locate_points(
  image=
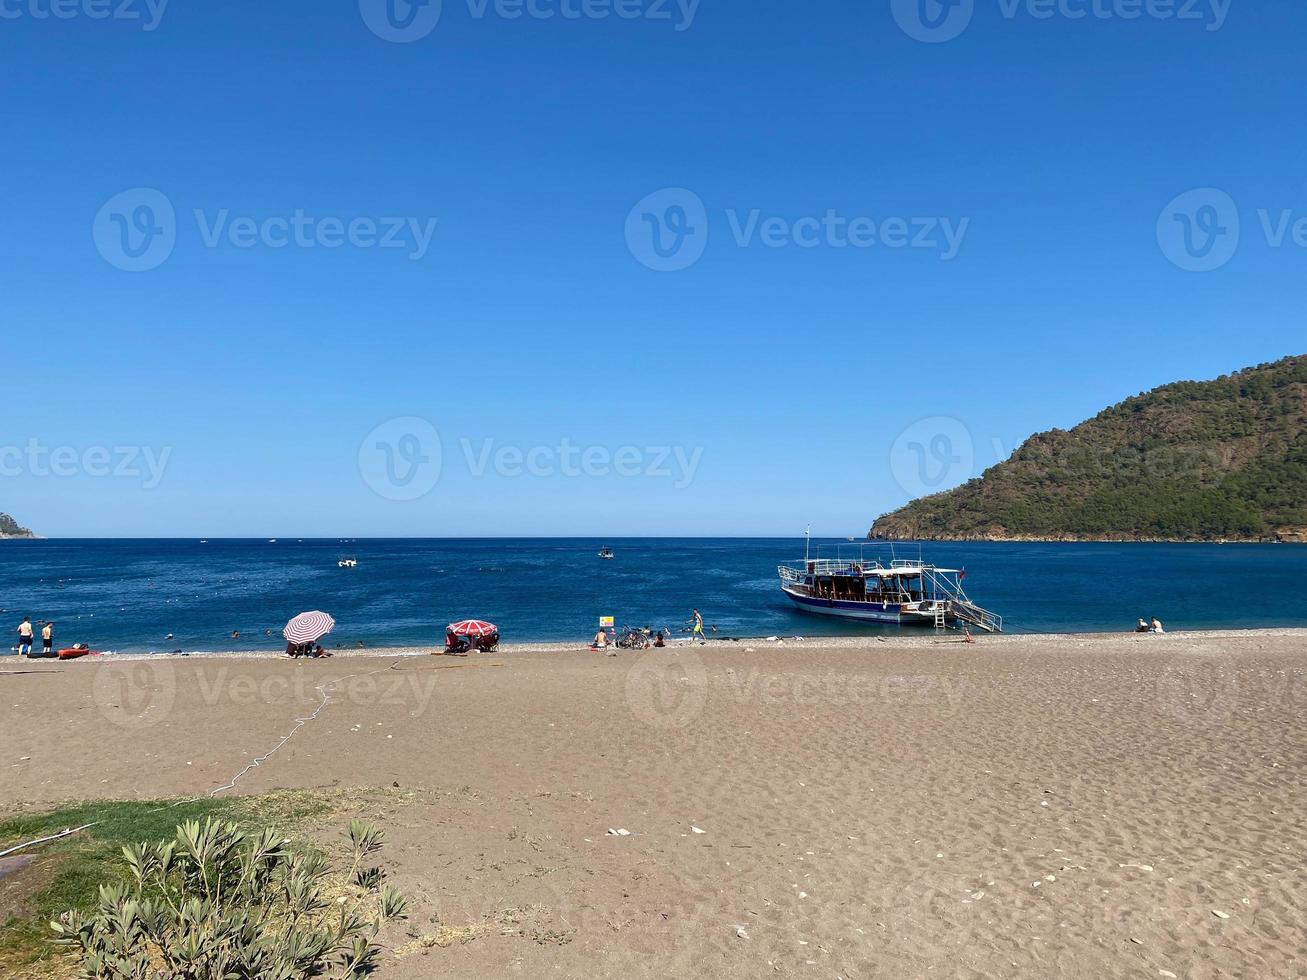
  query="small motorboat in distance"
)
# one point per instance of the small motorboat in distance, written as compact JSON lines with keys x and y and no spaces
{"x":606,"y":554}
{"x":348,"y":562}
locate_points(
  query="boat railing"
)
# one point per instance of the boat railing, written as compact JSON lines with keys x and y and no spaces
{"x":982,"y":619}
{"x":830,"y":566}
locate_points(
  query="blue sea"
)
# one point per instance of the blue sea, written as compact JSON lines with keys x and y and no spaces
{"x":129,"y":595}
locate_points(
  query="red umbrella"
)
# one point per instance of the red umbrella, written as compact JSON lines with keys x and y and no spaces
{"x":472,"y":627}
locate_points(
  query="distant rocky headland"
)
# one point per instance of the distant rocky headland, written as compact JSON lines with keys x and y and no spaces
{"x":9,"y":528}
{"x":1222,"y":460}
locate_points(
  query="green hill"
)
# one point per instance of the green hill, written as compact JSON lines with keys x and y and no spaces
{"x":1189,"y":461}
{"x":9,"y":528}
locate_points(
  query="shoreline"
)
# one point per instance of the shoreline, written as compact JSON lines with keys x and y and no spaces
{"x":741,"y":644}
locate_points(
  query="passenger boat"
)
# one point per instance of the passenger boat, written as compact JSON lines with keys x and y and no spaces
{"x":348,"y":562}
{"x":900,"y":592}
{"x":606,"y":554}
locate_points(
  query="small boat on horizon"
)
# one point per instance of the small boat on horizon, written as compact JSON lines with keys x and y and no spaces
{"x":606,"y":553}
{"x":347,"y":561}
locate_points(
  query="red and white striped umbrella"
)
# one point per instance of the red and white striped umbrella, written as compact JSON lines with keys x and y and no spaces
{"x":472,"y":627}
{"x":308,"y":627}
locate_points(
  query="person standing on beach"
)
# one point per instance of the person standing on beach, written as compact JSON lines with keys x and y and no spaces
{"x":698,"y":627}
{"x":47,"y":638}
{"x":25,"y":637}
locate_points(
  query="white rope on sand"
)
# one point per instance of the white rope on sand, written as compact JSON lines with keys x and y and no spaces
{"x":322,"y":689}
{"x":44,"y":840}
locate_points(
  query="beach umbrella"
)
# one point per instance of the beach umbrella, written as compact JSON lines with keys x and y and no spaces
{"x":472,"y":627}
{"x":308,"y":627}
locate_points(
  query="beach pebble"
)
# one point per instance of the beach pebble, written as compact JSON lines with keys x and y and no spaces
{"x":697,"y":830}
{"x":1166,"y":973}
{"x":1219,"y":914}
{"x":1141,"y":867}
{"x":741,"y":932}
{"x":619,"y":832}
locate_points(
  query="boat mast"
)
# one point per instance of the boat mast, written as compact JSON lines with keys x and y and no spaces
{"x":807,"y":541}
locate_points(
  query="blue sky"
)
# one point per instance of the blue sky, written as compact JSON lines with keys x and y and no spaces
{"x":527,"y":365}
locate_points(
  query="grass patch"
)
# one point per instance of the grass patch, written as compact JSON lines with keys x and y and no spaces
{"x":67,"y":873}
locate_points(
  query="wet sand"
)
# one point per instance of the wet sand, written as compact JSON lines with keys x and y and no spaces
{"x":1077,"y":806}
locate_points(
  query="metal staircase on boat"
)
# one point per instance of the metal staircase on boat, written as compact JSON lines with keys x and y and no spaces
{"x":981,"y":619}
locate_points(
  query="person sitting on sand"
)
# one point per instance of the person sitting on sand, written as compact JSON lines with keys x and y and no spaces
{"x":658,"y":640}
{"x":1143,"y":626}
{"x":1157,"y":626}
{"x":600,"y":641}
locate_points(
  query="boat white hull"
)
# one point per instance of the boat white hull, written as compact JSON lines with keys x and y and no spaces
{"x":874,"y":612}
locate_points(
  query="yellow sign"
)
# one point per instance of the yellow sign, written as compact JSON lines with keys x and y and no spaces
{"x":605,"y":620}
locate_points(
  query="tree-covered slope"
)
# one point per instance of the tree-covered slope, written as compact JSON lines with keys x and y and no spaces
{"x":9,"y":528}
{"x":1193,"y":460}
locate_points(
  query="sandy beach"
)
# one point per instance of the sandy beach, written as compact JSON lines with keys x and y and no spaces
{"x":1053,"y":806}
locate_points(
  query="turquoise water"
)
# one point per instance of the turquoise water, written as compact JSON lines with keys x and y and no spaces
{"x":129,"y":595}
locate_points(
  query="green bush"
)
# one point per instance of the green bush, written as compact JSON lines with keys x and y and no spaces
{"x":216,"y":902}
